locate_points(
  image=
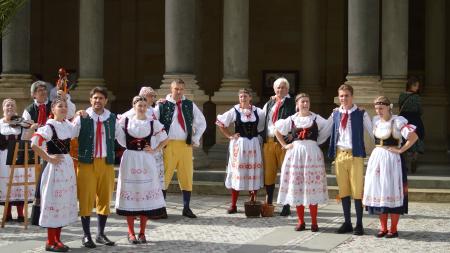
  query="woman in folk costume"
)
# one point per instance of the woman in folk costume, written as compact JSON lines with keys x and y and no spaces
{"x":150,"y":95}
{"x":245,"y":168}
{"x":303,"y":179}
{"x":59,"y":206}
{"x":12,"y":130}
{"x":138,"y":188}
{"x":385,"y":187}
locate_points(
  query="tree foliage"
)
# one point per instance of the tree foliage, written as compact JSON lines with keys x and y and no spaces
{"x":8,"y":8}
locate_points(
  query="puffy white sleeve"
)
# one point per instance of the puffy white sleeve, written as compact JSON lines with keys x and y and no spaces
{"x":325,"y":126}
{"x":159,"y":133}
{"x":198,"y":125}
{"x":284,"y":126}
{"x":262,"y":117}
{"x":225,"y":119}
{"x":71,"y":108}
{"x":402,"y":125}
{"x":368,"y":125}
{"x":120,"y":133}
{"x":42,"y":134}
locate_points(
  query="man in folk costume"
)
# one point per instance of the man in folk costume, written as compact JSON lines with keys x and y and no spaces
{"x":97,"y":129}
{"x":185,"y":124}
{"x":278,"y":107}
{"x":348,"y":151}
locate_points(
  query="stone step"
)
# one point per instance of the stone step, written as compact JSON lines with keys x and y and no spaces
{"x":218,"y":188}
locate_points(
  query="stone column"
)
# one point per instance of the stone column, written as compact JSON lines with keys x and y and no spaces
{"x":435,"y":101}
{"x":395,"y":47}
{"x":91,"y":39}
{"x":235,"y":57}
{"x":311,"y":52}
{"x":363,"y":48}
{"x":180,"y":49}
{"x":15,"y":77}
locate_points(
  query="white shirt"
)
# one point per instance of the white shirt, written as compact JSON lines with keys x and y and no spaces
{"x":247,"y":115}
{"x":102,"y":117}
{"x":345,"y":135}
{"x":176,"y":132}
{"x":70,"y":109}
{"x":270,"y":124}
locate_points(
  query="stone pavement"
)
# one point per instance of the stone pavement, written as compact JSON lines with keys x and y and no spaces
{"x":426,"y":228}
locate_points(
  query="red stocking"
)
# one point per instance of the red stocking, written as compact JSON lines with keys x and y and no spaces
{"x":383,"y":222}
{"x":143,"y":224}
{"x":313,"y":211}
{"x":301,"y":214}
{"x":234,"y":197}
{"x":51,"y":234}
{"x":394,"y":221}
{"x":20,"y":210}
{"x":8,"y":212}
{"x":130,"y":222}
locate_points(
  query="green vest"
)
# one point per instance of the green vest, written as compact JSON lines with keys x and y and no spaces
{"x":86,"y":139}
{"x":166,"y":111}
{"x":286,"y":109}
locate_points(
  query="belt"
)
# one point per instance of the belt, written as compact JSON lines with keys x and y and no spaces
{"x":346,"y":150}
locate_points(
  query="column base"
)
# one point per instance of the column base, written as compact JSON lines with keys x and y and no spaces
{"x":392,"y":88}
{"x":192,"y":90}
{"x":17,"y":87}
{"x":435,"y":112}
{"x":226,"y":97}
{"x":80,"y":95}
{"x":365,"y":90}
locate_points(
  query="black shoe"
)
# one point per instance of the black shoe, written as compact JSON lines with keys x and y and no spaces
{"x":231,"y":210}
{"x":60,"y":244}
{"x":300,"y":227}
{"x":88,"y":243}
{"x":345,"y":228}
{"x":102,"y":239}
{"x":188,"y":213}
{"x":314,"y":228}
{"x":392,"y":235}
{"x":286,"y":210}
{"x":20,"y":219}
{"x":132,"y":239}
{"x":358,"y":230}
{"x":164,"y":215}
{"x":55,"y":248}
{"x":142,"y":239}
{"x":381,"y":234}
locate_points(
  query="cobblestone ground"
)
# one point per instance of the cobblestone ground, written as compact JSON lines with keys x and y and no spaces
{"x":426,"y":228}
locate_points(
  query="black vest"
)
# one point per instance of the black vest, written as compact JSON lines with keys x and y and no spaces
{"x":56,"y":145}
{"x":286,"y":109}
{"x":33,"y":110}
{"x":5,"y":139}
{"x":310,"y":133}
{"x":134,"y":143}
{"x":246,"y":129}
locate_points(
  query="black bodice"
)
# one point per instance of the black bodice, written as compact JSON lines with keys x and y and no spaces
{"x":309,"y":133}
{"x":134,"y":143}
{"x":56,"y":145}
{"x":391,"y":141}
{"x":246,"y":129}
{"x":5,"y":139}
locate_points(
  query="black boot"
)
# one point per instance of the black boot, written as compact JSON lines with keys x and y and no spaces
{"x":269,"y":193}
{"x":186,"y":200}
{"x":286,"y":211}
{"x":346,"y":227}
{"x":101,"y":237}
{"x":359,"y":230}
{"x":87,"y":239}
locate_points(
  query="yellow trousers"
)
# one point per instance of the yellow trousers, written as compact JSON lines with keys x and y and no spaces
{"x":178,"y":155}
{"x":95,"y":183}
{"x":273,"y":155}
{"x":349,"y":174}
